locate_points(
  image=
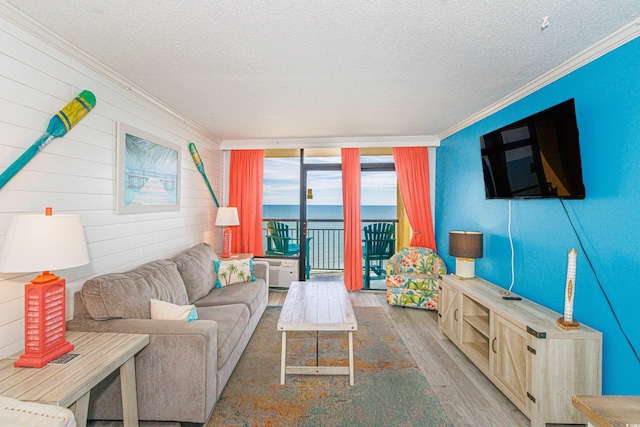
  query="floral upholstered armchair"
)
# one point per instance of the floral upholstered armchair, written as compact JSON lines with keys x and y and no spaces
{"x":412,"y":278}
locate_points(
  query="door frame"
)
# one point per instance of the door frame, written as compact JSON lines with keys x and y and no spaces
{"x":306,"y":167}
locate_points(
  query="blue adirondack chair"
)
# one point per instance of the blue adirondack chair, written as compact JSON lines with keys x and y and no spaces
{"x":378,"y":245}
{"x":280,"y":243}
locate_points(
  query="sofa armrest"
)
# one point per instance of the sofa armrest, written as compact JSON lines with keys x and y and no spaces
{"x":207,"y":329}
{"x":261,"y":270}
{"x":180,"y":354}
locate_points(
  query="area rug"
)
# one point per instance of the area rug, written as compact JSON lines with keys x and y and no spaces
{"x":389,"y":388}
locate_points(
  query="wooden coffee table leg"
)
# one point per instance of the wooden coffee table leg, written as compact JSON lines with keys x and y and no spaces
{"x":351,"y":373}
{"x":283,"y":359}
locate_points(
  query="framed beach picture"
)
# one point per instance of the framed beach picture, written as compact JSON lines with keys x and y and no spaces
{"x":148,"y":173}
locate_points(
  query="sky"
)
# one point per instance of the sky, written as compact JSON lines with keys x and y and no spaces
{"x":282,"y":177}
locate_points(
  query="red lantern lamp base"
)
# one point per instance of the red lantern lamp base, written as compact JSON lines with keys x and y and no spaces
{"x":40,"y":360}
{"x":226,"y":243}
{"x":44,"y":321}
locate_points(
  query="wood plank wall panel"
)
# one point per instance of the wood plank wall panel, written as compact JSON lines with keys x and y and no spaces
{"x":76,"y":174}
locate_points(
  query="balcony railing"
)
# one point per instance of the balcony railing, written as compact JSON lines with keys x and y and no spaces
{"x":326,"y":247}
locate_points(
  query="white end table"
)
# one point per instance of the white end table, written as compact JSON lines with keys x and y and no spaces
{"x":70,"y":385}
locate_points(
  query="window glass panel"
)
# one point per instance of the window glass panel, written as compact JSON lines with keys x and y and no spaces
{"x":376,"y":159}
{"x":281,"y":188}
{"x":281,"y":196}
{"x":379,"y":195}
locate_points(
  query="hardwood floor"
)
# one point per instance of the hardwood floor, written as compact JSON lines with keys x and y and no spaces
{"x":468,"y":397}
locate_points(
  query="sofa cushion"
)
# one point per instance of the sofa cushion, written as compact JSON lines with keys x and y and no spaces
{"x":127,"y":295}
{"x":196,"y":268}
{"x":232,"y":321}
{"x":251,"y":294}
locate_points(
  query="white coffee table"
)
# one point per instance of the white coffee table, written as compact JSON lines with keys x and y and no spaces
{"x":317,"y":306}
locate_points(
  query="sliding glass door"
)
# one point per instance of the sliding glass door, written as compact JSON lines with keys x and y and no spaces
{"x":303,"y":191}
{"x":322,"y":217}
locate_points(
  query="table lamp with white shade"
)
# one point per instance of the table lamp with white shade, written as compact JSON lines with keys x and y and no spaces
{"x":227,"y":217}
{"x":43,"y":243}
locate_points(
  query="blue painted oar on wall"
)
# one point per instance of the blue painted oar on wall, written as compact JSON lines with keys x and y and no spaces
{"x":198,"y":161}
{"x":59,"y":125}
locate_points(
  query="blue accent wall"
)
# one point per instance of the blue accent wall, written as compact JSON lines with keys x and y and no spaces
{"x":607,"y":98}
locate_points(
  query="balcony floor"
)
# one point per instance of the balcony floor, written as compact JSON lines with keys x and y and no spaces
{"x":337,"y":276}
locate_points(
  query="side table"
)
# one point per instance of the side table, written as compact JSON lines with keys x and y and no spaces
{"x":70,"y":385}
{"x":237,"y":256}
{"x":609,"y":411}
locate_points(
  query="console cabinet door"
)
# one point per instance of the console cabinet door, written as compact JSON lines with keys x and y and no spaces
{"x":449,"y":311}
{"x":512,"y":361}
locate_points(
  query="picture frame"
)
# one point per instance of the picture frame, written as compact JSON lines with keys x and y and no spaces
{"x":147,"y":172}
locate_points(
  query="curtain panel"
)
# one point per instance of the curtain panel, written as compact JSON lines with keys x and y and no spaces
{"x":412,"y":169}
{"x":352,"y":218}
{"x":246,"y":170}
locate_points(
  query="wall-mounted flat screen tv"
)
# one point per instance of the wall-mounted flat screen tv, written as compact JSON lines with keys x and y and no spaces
{"x":536,"y":157}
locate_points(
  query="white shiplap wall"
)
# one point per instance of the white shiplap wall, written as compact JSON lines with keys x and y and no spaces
{"x":76,"y":173}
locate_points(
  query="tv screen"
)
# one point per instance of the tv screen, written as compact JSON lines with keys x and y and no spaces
{"x":536,"y":157}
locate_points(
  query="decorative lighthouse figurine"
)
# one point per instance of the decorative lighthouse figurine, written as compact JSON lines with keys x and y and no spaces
{"x":567,"y":321}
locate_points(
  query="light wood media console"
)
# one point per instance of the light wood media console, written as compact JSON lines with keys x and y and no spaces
{"x":521,"y":349}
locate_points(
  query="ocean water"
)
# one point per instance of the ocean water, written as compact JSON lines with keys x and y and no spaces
{"x":326,"y":246}
{"x":315,"y":212}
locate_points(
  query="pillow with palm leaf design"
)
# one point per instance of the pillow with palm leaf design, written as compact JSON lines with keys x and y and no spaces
{"x":233,"y":271}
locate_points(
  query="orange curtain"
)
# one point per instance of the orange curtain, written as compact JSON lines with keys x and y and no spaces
{"x":412,"y":168}
{"x":245,"y":192}
{"x":352,"y":220}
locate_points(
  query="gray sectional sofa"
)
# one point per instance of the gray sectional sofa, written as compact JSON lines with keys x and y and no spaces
{"x":181,"y":373}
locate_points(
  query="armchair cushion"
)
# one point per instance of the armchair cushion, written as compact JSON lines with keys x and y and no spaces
{"x":416,"y":260}
{"x":412,"y":278}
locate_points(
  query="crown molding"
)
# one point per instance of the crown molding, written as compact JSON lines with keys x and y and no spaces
{"x":332,"y":142}
{"x":35,"y":28}
{"x":597,"y":50}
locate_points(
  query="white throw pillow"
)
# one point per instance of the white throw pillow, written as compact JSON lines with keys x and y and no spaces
{"x":162,"y":310}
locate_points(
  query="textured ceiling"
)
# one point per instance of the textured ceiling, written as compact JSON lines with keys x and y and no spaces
{"x":276,"y":69}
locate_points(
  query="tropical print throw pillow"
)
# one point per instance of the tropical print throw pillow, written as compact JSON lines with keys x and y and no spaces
{"x":234,"y":271}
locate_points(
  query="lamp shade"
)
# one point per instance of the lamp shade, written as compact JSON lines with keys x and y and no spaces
{"x":43,"y":243}
{"x":227,"y":216}
{"x":465,"y":244}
